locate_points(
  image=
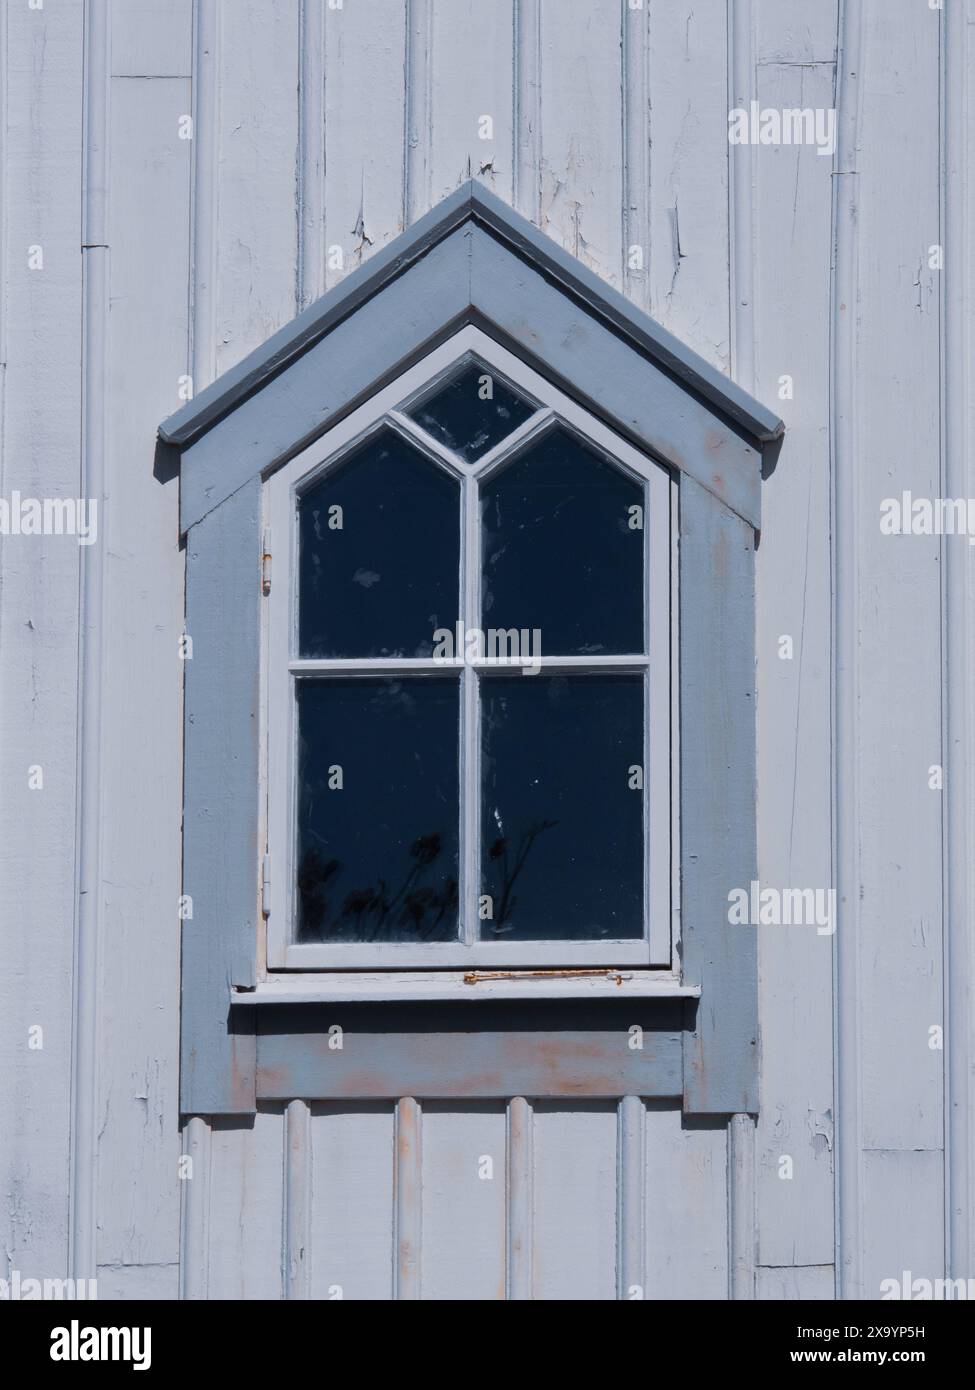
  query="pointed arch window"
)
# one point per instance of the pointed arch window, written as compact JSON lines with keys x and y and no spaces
{"x":469,"y":689}
{"x":470,"y":459}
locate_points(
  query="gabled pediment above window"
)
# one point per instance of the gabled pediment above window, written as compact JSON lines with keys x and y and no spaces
{"x":472,"y":260}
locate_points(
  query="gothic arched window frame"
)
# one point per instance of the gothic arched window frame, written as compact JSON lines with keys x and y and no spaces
{"x":246,"y":1038}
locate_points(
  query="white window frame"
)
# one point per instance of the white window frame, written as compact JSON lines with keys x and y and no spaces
{"x":657,"y":951}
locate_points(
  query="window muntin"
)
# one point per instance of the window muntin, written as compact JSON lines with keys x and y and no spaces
{"x":603,"y":925}
{"x":471,"y":411}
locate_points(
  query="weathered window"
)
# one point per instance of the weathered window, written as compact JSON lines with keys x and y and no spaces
{"x":469,"y":693}
{"x":480,"y":725}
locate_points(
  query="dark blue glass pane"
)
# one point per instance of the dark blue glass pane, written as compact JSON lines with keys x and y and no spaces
{"x":561,"y":550}
{"x":474,"y":411}
{"x":561,"y":829}
{"x":377,"y":809}
{"x":379,"y":555}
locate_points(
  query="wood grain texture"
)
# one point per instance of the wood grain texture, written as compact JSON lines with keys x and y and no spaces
{"x":246,"y":1208}
{"x":618,"y":384}
{"x":256,"y":171}
{"x":321,"y":386}
{"x":845,"y":579}
{"x":594,"y":135}
{"x":741,"y":1207}
{"x":472,"y":201}
{"x":631,"y":1198}
{"x":352,"y":1214}
{"x":903,"y":1217}
{"x":364,"y":132}
{"x":408,"y":1199}
{"x":311,"y":152}
{"x":958,"y":135}
{"x":687,"y":1251}
{"x":463,"y":1202}
{"x":446,"y":1051}
{"x":795,"y":1283}
{"x":789,"y":320}
{"x":297,"y":1254}
{"x":520,"y":1198}
{"x":194,"y":1235}
{"x":220,"y":851}
{"x":463,"y":144}
{"x":138,"y":1195}
{"x":152,"y":38}
{"x":581,"y":154}
{"x":469,"y":275}
{"x":717,"y":781}
{"x":688,"y":188}
{"x":41,"y":62}
{"x":418,"y":107}
{"x":899,"y":594}
{"x":574,"y":1228}
{"x":527,"y":109}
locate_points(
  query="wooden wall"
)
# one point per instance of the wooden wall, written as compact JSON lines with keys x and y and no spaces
{"x":319,"y":131}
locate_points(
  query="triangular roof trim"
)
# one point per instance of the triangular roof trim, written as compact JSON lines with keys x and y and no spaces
{"x":472,"y":201}
{"x":472,"y":259}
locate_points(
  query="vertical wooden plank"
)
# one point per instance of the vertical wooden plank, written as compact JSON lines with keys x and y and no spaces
{"x":141,"y":785}
{"x":900,"y":966}
{"x":365,"y":134}
{"x":203,"y":211}
{"x":221,"y":856}
{"x":124,"y":1283}
{"x":471,"y":87}
{"x":582,"y":183}
{"x":352,"y":1213}
{"x":419,"y":109}
{"x":298,"y":1200}
{"x":408,"y":1200}
{"x":741,"y":196}
{"x":88,"y":837}
{"x":41,"y":64}
{"x":687,"y":1205}
{"x":195,"y":1176}
{"x":717,"y":717}
{"x":890,"y":959}
{"x":903,"y":1218}
{"x":257,"y":80}
{"x":631,"y":1165}
{"x":246,"y":1206}
{"x":958,"y":143}
{"x":688,"y":195}
{"x":844,"y":293}
{"x":637,"y":202}
{"x":741,"y":1207}
{"x":311,"y":151}
{"x":899,"y":598}
{"x":574,"y":1253}
{"x":527,"y":117}
{"x":795,"y":1283}
{"x":463,"y":1217}
{"x":152,"y":38}
{"x":521,"y":1199}
{"x":793,"y":568}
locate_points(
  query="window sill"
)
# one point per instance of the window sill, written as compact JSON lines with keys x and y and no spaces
{"x":364,"y":987}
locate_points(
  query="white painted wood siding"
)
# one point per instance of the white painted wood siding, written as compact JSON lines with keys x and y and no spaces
{"x":319,"y":131}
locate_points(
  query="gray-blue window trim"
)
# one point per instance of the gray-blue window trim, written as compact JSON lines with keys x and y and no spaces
{"x":471,"y":260}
